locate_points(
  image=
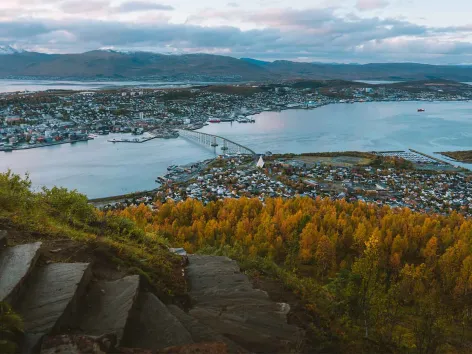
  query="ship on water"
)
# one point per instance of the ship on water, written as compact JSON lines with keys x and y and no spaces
{"x":421,"y":109}
{"x":214,"y":120}
{"x":245,"y":120}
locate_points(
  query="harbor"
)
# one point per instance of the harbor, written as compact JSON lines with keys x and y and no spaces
{"x":99,"y":168}
{"x":11,"y":148}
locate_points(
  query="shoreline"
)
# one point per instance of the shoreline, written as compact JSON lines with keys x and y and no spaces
{"x":137,"y":194}
{"x":450,"y":155}
{"x":252,"y":114}
{"x":116,"y":198}
{"x":29,"y":147}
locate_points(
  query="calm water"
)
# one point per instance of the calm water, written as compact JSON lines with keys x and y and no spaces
{"x":360,"y":126}
{"x":42,"y":85}
{"x":98,"y":168}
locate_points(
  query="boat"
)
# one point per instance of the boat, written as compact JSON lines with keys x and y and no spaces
{"x":420,"y":109}
{"x":214,"y":120}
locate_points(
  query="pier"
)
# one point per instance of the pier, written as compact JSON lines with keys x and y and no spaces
{"x":217,"y":142}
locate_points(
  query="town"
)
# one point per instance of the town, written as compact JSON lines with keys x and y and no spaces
{"x":29,"y":120}
{"x":412,"y":181}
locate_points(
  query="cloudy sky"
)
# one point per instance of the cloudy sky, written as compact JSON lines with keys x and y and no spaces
{"x":429,"y":31}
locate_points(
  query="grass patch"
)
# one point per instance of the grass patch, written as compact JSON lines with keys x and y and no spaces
{"x":57,"y":214}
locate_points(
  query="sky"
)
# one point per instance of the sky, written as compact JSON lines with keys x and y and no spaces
{"x":343,"y":31}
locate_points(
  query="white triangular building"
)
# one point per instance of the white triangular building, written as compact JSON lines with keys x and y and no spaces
{"x":260,"y":163}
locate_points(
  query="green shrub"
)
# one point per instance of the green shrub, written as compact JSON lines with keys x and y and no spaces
{"x":11,"y":328}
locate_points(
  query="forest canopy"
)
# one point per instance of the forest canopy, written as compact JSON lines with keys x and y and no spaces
{"x":400,"y":280}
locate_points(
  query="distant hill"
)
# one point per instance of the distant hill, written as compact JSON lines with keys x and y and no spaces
{"x":110,"y":64}
{"x":199,"y":67}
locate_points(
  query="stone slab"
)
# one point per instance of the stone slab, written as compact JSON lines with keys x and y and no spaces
{"x":15,"y":265}
{"x":50,"y":299}
{"x":107,"y":306}
{"x":53,"y":288}
{"x":225,"y":301}
{"x":153,"y":326}
{"x":202,"y":333}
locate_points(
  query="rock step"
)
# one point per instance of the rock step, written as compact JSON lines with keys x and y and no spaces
{"x":50,"y":299}
{"x":240,"y":305}
{"x":201,"y":333}
{"x":15,"y":265}
{"x":225,"y":301}
{"x":259,"y":333}
{"x":107,"y":306}
{"x":153,"y":326}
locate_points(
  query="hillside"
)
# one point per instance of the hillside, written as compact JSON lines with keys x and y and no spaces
{"x":74,"y":280}
{"x":375,"y":71}
{"x":358,"y":278}
{"x":205,"y":67}
{"x":109,"y":64}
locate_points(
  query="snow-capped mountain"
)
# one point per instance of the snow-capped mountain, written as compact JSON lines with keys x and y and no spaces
{"x":6,"y":49}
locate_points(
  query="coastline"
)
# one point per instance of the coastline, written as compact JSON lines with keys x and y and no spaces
{"x":122,"y":197}
{"x":29,"y":147}
{"x":455,"y":156}
{"x":250,"y":114}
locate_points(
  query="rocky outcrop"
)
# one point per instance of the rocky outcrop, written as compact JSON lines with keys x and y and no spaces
{"x":202,"y":333}
{"x":51,"y":298}
{"x":15,"y":265}
{"x":153,"y":326}
{"x":226,"y":302}
{"x":66,"y":309}
{"x":106,"y":308}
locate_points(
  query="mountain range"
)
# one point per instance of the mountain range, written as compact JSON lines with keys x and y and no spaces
{"x":108,"y":64}
{"x":5,"y":50}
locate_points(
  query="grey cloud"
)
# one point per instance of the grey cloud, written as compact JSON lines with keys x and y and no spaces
{"x":368,"y":5}
{"x":80,"y":6}
{"x":320,"y":35}
{"x":12,"y":30}
{"x":135,"y":6}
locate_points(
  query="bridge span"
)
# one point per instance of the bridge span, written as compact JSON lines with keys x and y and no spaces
{"x":215,"y":141}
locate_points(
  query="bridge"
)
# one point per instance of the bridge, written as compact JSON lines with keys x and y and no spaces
{"x":215,"y":141}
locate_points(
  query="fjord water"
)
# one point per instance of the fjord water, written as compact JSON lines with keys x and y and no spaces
{"x":7,"y":85}
{"x":357,"y":127}
{"x":99,"y":168}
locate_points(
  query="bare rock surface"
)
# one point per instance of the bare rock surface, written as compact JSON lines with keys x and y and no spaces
{"x":225,"y":301}
{"x":202,"y":333}
{"x":107,"y":306}
{"x":15,"y":265}
{"x":153,"y":326}
{"x":51,"y":298}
